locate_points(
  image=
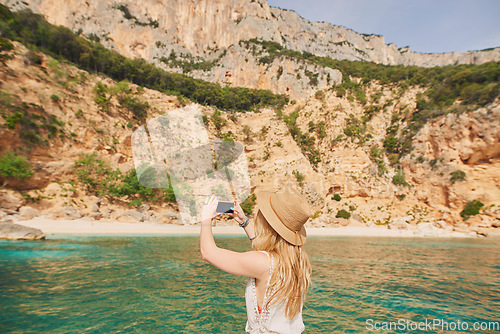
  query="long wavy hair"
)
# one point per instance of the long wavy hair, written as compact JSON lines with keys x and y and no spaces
{"x":291,"y":273}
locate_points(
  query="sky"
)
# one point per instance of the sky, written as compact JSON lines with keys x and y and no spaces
{"x":428,"y":26}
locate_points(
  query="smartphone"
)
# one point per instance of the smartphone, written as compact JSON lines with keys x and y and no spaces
{"x":224,"y":207}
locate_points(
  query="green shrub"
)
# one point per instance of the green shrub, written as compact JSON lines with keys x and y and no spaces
{"x":457,"y":175}
{"x":343,"y":214}
{"x":267,"y":154}
{"x":371,"y":111}
{"x":265,"y":60}
{"x":128,"y":185}
{"x":341,"y":91}
{"x":217,"y":120}
{"x":350,"y":130}
{"x":298,"y":175}
{"x":5,"y":45}
{"x":93,"y":37}
{"x":13,"y":119}
{"x":280,"y":72}
{"x":121,"y":88}
{"x":248,"y":204}
{"x":34,"y":58}
{"x":360,"y":96}
{"x":355,"y":128}
{"x":316,"y":214}
{"x":88,"y":170}
{"x":263,"y":132}
{"x":381,"y":166}
{"x":320,"y":129}
{"x":399,"y":178}
{"x":433,"y":163}
{"x":391,"y":144}
{"x":169,"y":194}
{"x":311,"y":126}
{"x":337,"y":139}
{"x":471,"y":208}
{"x":374,"y":152}
{"x":138,"y":108}
{"x":135,"y":202}
{"x":247,"y":131}
{"x":102,"y":98}
{"x":55,"y":98}
{"x":320,"y":95}
{"x":336,"y":197}
{"x":13,"y":166}
{"x":393,"y":158}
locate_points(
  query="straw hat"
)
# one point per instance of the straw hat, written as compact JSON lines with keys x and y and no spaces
{"x":287,"y":212}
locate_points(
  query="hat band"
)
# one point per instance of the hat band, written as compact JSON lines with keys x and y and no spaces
{"x":297,"y":234}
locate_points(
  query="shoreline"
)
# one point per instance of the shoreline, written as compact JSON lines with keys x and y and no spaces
{"x":86,"y":226}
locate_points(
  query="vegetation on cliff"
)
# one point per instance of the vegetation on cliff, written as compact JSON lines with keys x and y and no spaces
{"x":327,"y":128}
{"x":469,"y":84}
{"x":101,"y":180}
{"x":471,"y":209}
{"x":60,"y":42}
{"x":125,"y":97}
{"x":29,"y":121}
{"x":454,"y":88}
{"x":31,"y":129}
{"x":304,"y":140}
{"x":189,"y":63}
{"x":13,"y":166}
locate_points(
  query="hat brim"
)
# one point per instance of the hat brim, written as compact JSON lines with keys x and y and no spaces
{"x":264,"y":202}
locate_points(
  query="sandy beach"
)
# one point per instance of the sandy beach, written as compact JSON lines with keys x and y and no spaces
{"x":92,"y":227}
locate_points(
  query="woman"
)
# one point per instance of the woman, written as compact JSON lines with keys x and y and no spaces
{"x":278,"y":267}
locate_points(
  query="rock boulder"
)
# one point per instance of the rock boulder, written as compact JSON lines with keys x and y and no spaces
{"x":27,"y":212}
{"x":19,"y":232}
{"x":10,"y":200}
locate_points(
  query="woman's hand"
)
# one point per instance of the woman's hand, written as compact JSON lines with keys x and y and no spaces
{"x":237,"y":213}
{"x":209,"y":209}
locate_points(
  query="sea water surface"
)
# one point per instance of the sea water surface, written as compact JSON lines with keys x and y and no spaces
{"x":124,"y":284}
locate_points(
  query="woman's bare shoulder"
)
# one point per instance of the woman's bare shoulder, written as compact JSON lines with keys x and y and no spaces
{"x":262,"y":260}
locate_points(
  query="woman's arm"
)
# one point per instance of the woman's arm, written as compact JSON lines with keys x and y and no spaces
{"x":240,"y":217}
{"x":249,"y":264}
{"x":250,"y":231}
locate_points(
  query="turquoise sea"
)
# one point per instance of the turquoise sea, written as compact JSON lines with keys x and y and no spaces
{"x":123,"y":284}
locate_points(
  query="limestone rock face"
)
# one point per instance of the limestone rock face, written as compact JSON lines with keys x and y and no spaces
{"x":240,"y":67}
{"x":19,"y":232}
{"x":470,"y":143}
{"x":10,"y":200}
{"x":465,"y":141}
{"x":206,"y":25}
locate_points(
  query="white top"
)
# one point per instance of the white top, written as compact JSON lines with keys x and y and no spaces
{"x":273,"y":320}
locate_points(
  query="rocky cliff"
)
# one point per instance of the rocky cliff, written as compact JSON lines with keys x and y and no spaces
{"x":134,"y":28}
{"x":350,"y":177}
{"x":210,"y":31}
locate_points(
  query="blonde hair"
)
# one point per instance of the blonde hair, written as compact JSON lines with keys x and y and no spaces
{"x":291,"y":273}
